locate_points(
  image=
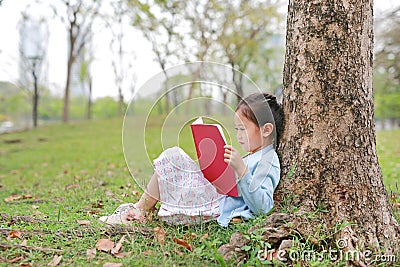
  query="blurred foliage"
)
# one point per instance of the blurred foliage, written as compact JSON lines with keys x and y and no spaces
{"x":387,"y":66}
{"x":247,"y":35}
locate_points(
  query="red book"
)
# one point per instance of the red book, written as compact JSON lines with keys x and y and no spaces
{"x":209,"y":141}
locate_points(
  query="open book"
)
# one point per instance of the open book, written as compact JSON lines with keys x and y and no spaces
{"x":209,"y":141}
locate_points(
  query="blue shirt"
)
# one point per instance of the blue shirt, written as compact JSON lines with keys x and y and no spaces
{"x":256,"y":188}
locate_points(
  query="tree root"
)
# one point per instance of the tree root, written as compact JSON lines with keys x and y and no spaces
{"x":284,"y":232}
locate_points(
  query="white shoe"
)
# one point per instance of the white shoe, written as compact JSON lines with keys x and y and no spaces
{"x":119,"y":215}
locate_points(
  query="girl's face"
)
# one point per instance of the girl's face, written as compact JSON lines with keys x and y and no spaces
{"x":248,"y":133}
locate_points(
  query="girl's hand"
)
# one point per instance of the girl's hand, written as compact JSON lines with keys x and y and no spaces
{"x":233,"y":158}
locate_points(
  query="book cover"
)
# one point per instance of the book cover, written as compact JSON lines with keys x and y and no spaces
{"x":209,"y":141}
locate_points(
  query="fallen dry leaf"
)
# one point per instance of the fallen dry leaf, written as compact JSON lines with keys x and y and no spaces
{"x":397,"y":205}
{"x":183,"y":243}
{"x":99,"y":204}
{"x":83,"y":222}
{"x":27,"y":264}
{"x":35,"y":207}
{"x":190,"y":236}
{"x":105,"y":245}
{"x":15,"y":259}
{"x":15,"y":197}
{"x":112,"y":264}
{"x":70,"y":186}
{"x":15,"y":234}
{"x":205,"y":236}
{"x":237,"y":220}
{"x":160,"y":235}
{"x":12,"y":198}
{"x":118,"y":246}
{"x":93,"y":211}
{"x":24,"y":243}
{"x":91,"y":253}
{"x":56,"y":260}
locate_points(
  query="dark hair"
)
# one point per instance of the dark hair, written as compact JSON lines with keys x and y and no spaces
{"x":254,"y":108}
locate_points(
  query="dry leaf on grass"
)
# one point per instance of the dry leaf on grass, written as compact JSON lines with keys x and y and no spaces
{"x":118,"y":246}
{"x":93,"y":211}
{"x":112,"y":264}
{"x":98,"y":205}
{"x":15,"y":234}
{"x":205,"y":236}
{"x":25,"y":265}
{"x":160,"y":235}
{"x":183,"y":243}
{"x":91,"y":253}
{"x":17,"y":197}
{"x":190,"y":236}
{"x":56,"y":260}
{"x":105,"y":245}
{"x":83,"y":222}
{"x":15,"y":259}
{"x":35,"y":207}
{"x":24,"y":243}
{"x":70,"y":186}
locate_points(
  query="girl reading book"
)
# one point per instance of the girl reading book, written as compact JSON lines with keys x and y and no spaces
{"x":188,"y":198}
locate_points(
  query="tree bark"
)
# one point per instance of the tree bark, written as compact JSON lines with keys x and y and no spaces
{"x":35,"y":98}
{"x":328,"y":149}
{"x":89,"y":104}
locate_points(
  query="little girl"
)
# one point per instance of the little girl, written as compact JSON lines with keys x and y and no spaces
{"x":188,"y":198}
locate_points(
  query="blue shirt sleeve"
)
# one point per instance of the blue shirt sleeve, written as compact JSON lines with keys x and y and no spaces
{"x":257,"y":186}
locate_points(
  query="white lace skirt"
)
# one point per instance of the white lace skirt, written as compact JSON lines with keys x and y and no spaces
{"x":186,"y":196}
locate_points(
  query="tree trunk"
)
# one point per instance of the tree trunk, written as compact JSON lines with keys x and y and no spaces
{"x":121,"y":103}
{"x":238,"y":82}
{"x":71,"y":60}
{"x":35,"y":99}
{"x":89,"y":106}
{"x":328,"y":150}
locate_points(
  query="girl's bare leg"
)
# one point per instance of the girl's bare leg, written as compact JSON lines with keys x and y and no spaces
{"x":150,"y":196}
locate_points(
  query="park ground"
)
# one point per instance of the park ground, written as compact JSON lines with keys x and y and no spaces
{"x":56,"y":181}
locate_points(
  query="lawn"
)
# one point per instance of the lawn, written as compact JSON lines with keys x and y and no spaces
{"x":56,"y":180}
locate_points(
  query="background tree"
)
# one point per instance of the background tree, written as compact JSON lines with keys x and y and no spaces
{"x":32,"y":53}
{"x":122,"y":60}
{"x":231,"y":32}
{"x":328,"y":150}
{"x":78,"y":17}
{"x":160,"y":23}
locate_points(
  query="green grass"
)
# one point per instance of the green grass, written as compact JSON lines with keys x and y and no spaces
{"x":72,"y":171}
